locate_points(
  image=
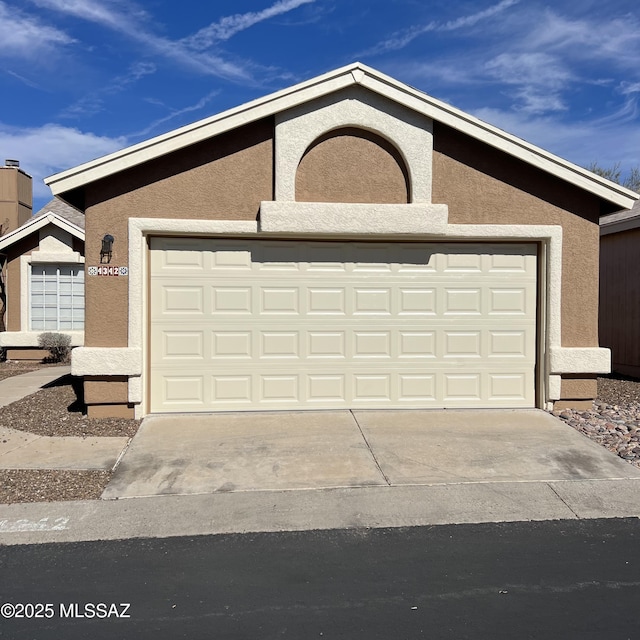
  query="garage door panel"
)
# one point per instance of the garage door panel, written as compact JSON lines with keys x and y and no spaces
{"x":242,"y":324}
{"x":183,"y":345}
{"x":183,"y":391}
{"x":354,"y":388}
{"x":315,"y":344}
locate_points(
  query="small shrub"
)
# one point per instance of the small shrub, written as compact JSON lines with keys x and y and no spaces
{"x":57,"y":344}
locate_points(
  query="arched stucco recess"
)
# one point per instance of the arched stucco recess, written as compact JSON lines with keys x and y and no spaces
{"x":351,"y":164}
{"x":409,"y":132}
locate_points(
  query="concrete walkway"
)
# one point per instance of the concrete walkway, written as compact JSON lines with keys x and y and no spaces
{"x":22,"y":450}
{"x":18,"y":387}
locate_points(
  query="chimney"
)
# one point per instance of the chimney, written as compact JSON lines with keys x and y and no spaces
{"x":16,"y":196}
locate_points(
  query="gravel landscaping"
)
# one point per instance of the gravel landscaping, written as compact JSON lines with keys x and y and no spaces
{"x":56,"y":410}
{"x":614,"y":422}
{"x":35,"y":485}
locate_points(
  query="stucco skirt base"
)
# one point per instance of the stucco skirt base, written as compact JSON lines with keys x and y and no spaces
{"x":110,"y":411}
{"x":106,"y":397}
{"x":18,"y":353}
{"x":578,"y":405}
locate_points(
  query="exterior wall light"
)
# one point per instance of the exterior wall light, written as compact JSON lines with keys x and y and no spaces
{"x":105,"y":252}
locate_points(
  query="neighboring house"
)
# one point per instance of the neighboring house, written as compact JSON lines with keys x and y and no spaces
{"x":44,"y":280}
{"x":620,"y":289}
{"x":347,"y":243}
{"x":15,"y":209}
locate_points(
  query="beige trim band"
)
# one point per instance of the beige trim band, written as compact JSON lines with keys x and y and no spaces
{"x":30,"y":338}
{"x":580,"y":360}
{"x":364,"y":219}
{"x":106,"y":361}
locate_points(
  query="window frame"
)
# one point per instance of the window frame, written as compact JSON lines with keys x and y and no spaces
{"x":75,"y":271}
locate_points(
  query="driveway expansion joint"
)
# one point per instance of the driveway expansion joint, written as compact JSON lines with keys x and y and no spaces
{"x":373,"y":455}
{"x":566,"y":504}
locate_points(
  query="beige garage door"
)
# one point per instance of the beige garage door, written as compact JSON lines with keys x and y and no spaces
{"x":256,"y":325}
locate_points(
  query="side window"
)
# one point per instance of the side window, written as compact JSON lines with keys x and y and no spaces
{"x":57,"y":297}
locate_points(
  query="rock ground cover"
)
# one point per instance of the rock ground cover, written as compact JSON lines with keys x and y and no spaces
{"x":614,"y":421}
{"x":56,"y":410}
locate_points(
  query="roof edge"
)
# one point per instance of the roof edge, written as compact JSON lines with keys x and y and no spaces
{"x":37,"y":223}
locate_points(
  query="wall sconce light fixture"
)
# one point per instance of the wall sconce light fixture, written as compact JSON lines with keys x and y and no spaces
{"x":105,"y":252}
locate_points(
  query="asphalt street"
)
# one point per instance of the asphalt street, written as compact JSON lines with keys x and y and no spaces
{"x":553,"y":579}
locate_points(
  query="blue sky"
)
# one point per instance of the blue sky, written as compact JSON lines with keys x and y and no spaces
{"x":82,"y":78}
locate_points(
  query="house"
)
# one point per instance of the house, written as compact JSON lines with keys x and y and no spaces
{"x":620,"y":289}
{"x":348,"y":242}
{"x":15,"y":208}
{"x":43,"y":280}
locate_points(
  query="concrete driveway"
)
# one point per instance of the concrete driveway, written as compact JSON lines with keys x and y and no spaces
{"x":208,"y":453}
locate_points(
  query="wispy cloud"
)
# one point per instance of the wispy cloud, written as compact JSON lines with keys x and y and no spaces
{"x":629,"y":87}
{"x":191,"y":52}
{"x":25,"y":81}
{"x":175,"y":113}
{"x":534,"y":56}
{"x":614,"y":39}
{"x":607,"y":140}
{"x":540,"y":79}
{"x":401,"y":39}
{"x":130,"y":22}
{"x":50,"y":148}
{"x":25,"y":36}
{"x":93,"y":102}
{"x":228,"y":26}
{"x":106,"y":13}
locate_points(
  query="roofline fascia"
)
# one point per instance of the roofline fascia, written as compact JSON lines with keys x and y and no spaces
{"x":35,"y":224}
{"x":319,"y":86}
{"x":607,"y":228}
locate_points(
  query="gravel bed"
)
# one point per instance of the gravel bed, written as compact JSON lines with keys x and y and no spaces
{"x":35,"y":485}
{"x":56,"y":411}
{"x":614,"y":421}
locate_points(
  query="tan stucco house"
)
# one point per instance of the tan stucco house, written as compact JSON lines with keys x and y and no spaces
{"x":349,"y":242}
{"x":42,"y":264}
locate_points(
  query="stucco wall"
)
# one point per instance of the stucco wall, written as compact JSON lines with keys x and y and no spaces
{"x":221,"y":179}
{"x":352,"y":165}
{"x":105,"y":389}
{"x":24,"y":247}
{"x":227,"y":178}
{"x":482,"y":185}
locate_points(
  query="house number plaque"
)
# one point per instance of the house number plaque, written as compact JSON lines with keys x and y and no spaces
{"x":108,"y":270}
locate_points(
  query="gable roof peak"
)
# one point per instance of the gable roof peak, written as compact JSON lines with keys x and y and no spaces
{"x":355,"y":73}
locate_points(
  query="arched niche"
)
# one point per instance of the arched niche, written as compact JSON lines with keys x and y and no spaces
{"x":300,"y":128}
{"x":351,"y":164}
